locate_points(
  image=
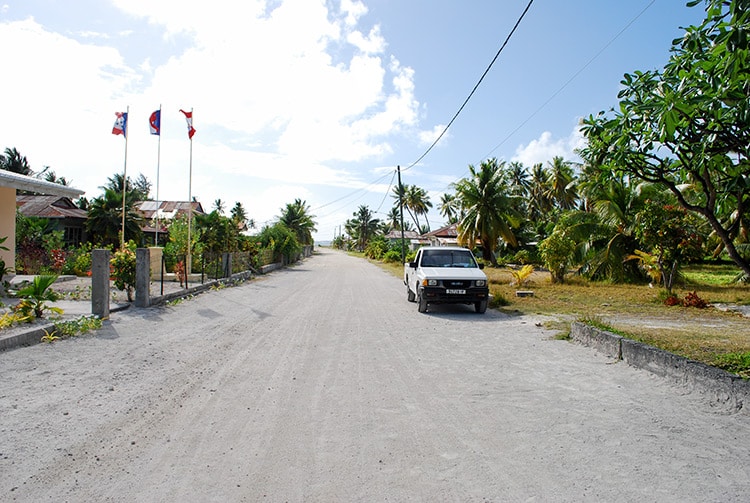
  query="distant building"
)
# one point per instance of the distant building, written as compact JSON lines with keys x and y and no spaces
{"x":445,"y":236}
{"x":61,"y":211}
{"x":158,"y":215}
{"x":411,"y":237}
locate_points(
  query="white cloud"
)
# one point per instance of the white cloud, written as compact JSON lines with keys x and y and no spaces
{"x":545,"y":148}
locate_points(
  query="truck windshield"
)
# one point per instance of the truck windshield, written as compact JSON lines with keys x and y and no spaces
{"x":452,"y":258}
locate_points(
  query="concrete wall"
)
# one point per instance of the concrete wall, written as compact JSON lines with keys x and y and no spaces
{"x":720,"y":388}
{"x":8,"y":225}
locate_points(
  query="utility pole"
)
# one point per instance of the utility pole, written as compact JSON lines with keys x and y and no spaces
{"x":401,"y":211}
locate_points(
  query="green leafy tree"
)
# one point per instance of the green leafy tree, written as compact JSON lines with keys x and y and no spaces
{"x":281,"y":240}
{"x":557,"y":252}
{"x":687,"y":128}
{"x":489,"y":212}
{"x":671,"y":235}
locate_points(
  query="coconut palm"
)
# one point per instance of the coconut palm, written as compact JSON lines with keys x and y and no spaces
{"x":490,"y":213}
{"x":362,"y":227}
{"x":104,"y":221}
{"x":13,"y":161}
{"x":296,"y":216}
{"x":449,"y":207}
{"x":561,"y":187}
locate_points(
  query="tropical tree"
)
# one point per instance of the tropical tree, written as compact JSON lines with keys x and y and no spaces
{"x":104,"y":221}
{"x":362,"y":227}
{"x":687,"y":128}
{"x":539,"y":204}
{"x":449,"y":207}
{"x":415,"y":201}
{"x":135,"y":191}
{"x":51,"y":176}
{"x":561,"y":187}
{"x":489,"y":212}
{"x":12,"y":160}
{"x":296,"y":216}
{"x":239,"y":217}
{"x":219,"y":206}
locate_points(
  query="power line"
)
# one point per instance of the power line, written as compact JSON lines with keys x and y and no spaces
{"x":476,"y":86}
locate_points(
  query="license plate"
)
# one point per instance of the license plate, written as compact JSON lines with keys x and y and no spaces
{"x":455,"y":292}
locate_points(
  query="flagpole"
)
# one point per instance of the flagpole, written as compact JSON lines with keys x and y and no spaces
{"x":188,"y":260}
{"x":124,"y":178}
{"x":158,"y":162}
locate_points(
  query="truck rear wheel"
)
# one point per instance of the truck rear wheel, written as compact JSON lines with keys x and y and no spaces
{"x":422,"y":303}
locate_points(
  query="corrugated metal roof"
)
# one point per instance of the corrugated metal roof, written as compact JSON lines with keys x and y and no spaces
{"x":48,"y":207}
{"x":167,"y":209}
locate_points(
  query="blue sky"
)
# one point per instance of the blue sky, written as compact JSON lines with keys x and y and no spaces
{"x":314,"y":99}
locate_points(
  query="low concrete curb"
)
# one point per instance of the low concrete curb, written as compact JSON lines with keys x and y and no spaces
{"x":34,"y":335}
{"x":718,"y":386}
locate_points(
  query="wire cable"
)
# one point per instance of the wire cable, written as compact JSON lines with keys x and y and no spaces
{"x":476,"y":86}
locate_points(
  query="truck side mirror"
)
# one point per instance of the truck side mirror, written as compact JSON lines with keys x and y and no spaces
{"x":413,"y":265}
{"x":481,"y":266}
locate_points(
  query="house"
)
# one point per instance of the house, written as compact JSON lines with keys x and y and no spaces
{"x":9,"y":183}
{"x":61,"y":211}
{"x":158,"y":214}
{"x":445,"y":236}
{"x":412,"y":237}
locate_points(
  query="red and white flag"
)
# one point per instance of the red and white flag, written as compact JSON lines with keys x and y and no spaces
{"x":121,"y":124}
{"x":189,"y":119}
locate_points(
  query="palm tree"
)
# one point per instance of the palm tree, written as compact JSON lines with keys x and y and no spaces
{"x":219,"y":206}
{"x":520,"y":184}
{"x":539,"y":203}
{"x":51,"y":176}
{"x":138,"y":191}
{"x":104,"y":220}
{"x":296,"y":216}
{"x":415,"y":201}
{"x":489,"y":212}
{"x":562,"y":188}
{"x":13,"y":161}
{"x":449,"y":207}
{"x":609,"y":237}
{"x":362,"y":227}
{"x":418,"y":202}
{"x":239,"y":216}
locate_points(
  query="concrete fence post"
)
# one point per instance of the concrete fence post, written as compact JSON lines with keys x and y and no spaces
{"x":142,"y":277}
{"x":226,"y":264}
{"x":100,"y":283}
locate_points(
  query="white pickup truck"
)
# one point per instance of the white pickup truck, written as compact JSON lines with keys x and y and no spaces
{"x":446,"y":275}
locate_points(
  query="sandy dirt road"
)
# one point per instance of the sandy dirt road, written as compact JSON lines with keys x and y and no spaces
{"x":322,"y":383}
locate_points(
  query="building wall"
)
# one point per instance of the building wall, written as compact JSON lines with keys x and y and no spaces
{"x":8,"y":225}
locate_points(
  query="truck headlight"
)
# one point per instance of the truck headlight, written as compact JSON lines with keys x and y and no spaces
{"x":480,"y":282}
{"x":429,"y":282}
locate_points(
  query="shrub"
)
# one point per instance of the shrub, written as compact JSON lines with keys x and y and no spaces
{"x":123,"y":269}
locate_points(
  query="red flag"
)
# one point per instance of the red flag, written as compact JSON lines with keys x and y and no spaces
{"x":189,"y":119}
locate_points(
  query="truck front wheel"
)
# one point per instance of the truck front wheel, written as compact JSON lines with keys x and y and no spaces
{"x":480,"y":306}
{"x":422,"y":303}
{"x":410,"y":295}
